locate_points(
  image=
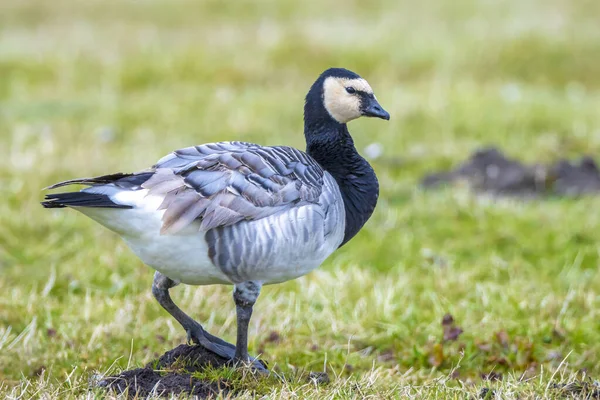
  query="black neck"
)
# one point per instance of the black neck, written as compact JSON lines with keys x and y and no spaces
{"x":331,"y":145}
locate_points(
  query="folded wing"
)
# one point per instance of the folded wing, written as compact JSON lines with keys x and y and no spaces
{"x":227,"y":182}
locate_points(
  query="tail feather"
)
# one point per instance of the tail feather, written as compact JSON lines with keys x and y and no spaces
{"x":128,"y":181}
{"x":100,"y":180}
{"x":80,"y":199}
{"x":98,"y":196}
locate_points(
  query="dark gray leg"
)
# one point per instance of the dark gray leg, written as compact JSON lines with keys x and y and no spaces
{"x":244,"y":295}
{"x":195,"y":332}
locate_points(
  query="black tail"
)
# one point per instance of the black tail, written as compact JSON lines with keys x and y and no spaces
{"x":126,"y":181}
{"x":80,"y":199}
{"x":87,"y":199}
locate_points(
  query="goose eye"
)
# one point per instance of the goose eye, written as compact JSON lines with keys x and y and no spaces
{"x":350,"y":90}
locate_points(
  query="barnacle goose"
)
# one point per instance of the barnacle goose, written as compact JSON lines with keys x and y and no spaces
{"x":243,"y":214}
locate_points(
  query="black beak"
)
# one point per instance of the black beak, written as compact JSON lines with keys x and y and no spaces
{"x":371,"y":108}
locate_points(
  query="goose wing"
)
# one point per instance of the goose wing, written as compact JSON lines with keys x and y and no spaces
{"x":227,"y":182}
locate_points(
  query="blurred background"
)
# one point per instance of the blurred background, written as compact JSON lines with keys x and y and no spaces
{"x":94,"y":87}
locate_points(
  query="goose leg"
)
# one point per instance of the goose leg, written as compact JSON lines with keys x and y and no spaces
{"x":244,"y":295}
{"x":195,"y":332}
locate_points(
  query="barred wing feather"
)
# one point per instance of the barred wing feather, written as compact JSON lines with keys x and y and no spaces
{"x":227,"y":182}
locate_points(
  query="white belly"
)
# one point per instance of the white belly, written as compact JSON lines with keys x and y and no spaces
{"x":182,"y":257}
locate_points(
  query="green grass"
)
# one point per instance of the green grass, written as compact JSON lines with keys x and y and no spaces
{"x":93,"y":87}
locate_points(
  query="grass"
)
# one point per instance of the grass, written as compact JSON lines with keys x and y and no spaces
{"x":93,"y":87}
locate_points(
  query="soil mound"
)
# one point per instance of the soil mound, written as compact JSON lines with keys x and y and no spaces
{"x":489,"y":171}
{"x":171,"y":374}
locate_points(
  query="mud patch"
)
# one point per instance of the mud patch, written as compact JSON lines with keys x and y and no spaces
{"x":579,"y":390}
{"x":171,"y":374}
{"x":176,"y":373}
{"x":489,"y":171}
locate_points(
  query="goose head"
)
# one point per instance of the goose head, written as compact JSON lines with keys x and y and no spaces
{"x":343,"y":96}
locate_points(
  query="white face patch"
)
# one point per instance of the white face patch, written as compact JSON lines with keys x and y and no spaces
{"x":341,"y":105}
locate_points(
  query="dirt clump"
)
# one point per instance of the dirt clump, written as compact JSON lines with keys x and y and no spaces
{"x":579,"y":389}
{"x":171,"y":374}
{"x":489,"y":171}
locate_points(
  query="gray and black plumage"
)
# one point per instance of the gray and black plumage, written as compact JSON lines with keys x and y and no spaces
{"x":240,"y":213}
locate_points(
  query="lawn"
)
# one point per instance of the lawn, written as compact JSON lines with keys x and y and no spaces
{"x":89,"y":87}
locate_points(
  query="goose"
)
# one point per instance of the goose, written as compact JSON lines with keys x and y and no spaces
{"x":242,"y":214}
